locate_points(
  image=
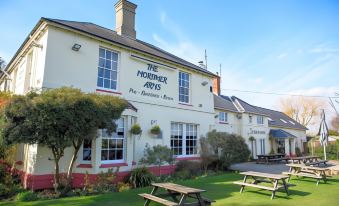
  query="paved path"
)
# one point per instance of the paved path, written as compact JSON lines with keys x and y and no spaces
{"x":275,"y":168}
{"x":252,"y":166}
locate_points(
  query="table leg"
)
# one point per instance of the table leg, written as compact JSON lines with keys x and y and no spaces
{"x":243,"y":186}
{"x":275,"y":187}
{"x":182,"y":199}
{"x":285,"y":186}
{"x":154,"y":190}
{"x":200,"y":199}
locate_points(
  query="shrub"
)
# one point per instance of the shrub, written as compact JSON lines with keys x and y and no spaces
{"x":140,"y":177}
{"x":298,"y":152}
{"x":157,"y":155}
{"x":187,"y":169}
{"x":105,"y":181}
{"x":47,"y":194}
{"x":26,"y":196}
{"x":229,"y":148}
{"x":331,"y":151}
{"x":206,"y":155}
{"x":121,"y":187}
{"x":136,"y":129}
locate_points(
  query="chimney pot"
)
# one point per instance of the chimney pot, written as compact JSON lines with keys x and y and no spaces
{"x":125,"y":18}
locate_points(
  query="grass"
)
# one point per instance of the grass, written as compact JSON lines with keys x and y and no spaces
{"x":219,"y":188}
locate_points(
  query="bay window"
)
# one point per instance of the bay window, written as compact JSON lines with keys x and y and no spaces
{"x":112,"y":146}
{"x":184,"y":139}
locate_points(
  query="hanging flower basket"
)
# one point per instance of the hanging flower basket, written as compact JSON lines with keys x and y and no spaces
{"x":136,"y":129}
{"x":155,"y":130}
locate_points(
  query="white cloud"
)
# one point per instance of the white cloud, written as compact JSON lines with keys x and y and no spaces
{"x":283,"y":55}
{"x":181,"y":46}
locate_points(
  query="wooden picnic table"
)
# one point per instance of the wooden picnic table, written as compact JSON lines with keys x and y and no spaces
{"x":278,"y":181}
{"x":304,"y":159}
{"x":301,"y":170}
{"x":174,"y":191}
{"x":266,"y":158}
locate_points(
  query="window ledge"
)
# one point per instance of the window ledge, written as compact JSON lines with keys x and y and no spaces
{"x":107,"y":91}
{"x":188,"y":158}
{"x":108,"y":165}
{"x":223,"y":122}
{"x":84,"y":166}
{"x":185,"y":104}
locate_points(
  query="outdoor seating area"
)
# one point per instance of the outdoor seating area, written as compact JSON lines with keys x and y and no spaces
{"x":180,"y":195}
{"x":300,"y":170}
{"x":277,"y":181}
{"x":271,"y":158}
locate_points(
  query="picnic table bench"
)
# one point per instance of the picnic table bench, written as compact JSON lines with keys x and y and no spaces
{"x":266,"y":158}
{"x":301,"y":170}
{"x":317,"y":163}
{"x":174,"y":191}
{"x":259,"y":177}
{"x":304,"y":159}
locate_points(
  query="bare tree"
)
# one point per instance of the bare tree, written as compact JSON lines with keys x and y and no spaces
{"x":2,"y":63}
{"x":302,"y":109}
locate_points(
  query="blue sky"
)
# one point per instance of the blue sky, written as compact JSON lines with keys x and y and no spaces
{"x":283,"y":46}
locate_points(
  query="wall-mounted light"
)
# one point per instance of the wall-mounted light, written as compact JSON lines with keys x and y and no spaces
{"x":204,"y":83}
{"x":76,"y":47}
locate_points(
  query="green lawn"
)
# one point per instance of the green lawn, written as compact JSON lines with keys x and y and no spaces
{"x":221,"y":189}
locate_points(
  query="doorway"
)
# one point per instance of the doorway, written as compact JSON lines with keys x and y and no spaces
{"x":281,"y":146}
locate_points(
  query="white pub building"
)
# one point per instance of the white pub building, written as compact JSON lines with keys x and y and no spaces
{"x":162,"y":89}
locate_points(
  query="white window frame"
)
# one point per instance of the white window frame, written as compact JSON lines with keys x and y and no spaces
{"x":260,"y":119}
{"x":262,"y":146}
{"x":223,"y":117}
{"x":100,"y":67}
{"x":250,"y":119}
{"x":185,"y":134}
{"x":189,"y":86}
{"x":114,"y":136}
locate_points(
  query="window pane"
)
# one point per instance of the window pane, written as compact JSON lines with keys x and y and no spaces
{"x":112,"y":155}
{"x":113,"y":75}
{"x":104,"y":155}
{"x":113,"y":84}
{"x":100,"y":72}
{"x":104,"y":144}
{"x":107,"y":74}
{"x":101,"y":62}
{"x":114,"y":66}
{"x":108,"y":64}
{"x":100,"y":82}
{"x":107,"y":83}
{"x":86,"y":155}
{"x":114,"y":56}
{"x":108,"y":54}
{"x":119,"y":154}
{"x":101,"y":53}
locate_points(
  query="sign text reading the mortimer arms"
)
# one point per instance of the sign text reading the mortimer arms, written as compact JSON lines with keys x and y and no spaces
{"x":154,"y":82}
{"x":150,"y":75}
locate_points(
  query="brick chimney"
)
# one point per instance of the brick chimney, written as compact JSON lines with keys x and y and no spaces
{"x":216,"y":85}
{"x":125,"y":18}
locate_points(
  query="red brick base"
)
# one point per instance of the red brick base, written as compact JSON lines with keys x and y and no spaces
{"x":45,"y":181}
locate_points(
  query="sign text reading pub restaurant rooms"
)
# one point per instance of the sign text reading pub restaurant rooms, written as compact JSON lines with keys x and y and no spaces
{"x":154,"y":82}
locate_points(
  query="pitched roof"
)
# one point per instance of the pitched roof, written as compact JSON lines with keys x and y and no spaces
{"x":224,"y":103}
{"x":280,"y":119}
{"x":247,"y":107}
{"x":280,"y":134}
{"x":136,"y":44}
